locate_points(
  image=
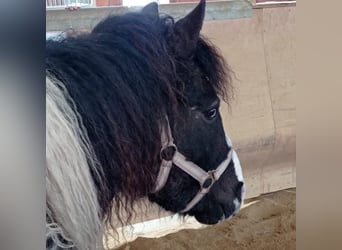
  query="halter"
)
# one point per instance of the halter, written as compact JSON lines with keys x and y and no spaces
{"x":170,"y":155}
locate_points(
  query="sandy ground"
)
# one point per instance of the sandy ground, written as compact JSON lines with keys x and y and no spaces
{"x":268,"y":223}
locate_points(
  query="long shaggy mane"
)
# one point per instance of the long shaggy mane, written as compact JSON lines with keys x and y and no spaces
{"x":123,"y":78}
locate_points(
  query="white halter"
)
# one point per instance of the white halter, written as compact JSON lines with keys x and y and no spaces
{"x":170,"y":155}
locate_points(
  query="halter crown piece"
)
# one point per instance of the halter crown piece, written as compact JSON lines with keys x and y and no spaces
{"x":171,"y":156}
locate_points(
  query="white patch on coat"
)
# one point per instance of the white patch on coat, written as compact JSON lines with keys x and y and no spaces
{"x":237,"y":205}
{"x":235,"y":158}
{"x":72,"y":206}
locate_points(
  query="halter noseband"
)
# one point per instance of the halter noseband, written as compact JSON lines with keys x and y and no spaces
{"x":170,"y":155}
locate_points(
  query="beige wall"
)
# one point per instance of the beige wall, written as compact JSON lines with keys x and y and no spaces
{"x":262,"y":119}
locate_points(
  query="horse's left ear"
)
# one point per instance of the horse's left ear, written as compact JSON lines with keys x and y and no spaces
{"x":151,"y":9}
{"x":187,"y":30}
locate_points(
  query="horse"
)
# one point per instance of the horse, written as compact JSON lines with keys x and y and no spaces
{"x":132,"y":111}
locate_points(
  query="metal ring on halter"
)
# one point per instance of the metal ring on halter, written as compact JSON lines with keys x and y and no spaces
{"x":167,"y":153}
{"x":207,"y":183}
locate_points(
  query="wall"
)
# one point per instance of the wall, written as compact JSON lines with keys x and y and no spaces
{"x":100,"y":3}
{"x":262,"y":119}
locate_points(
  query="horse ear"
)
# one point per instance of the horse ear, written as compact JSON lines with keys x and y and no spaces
{"x":187,"y":29}
{"x":151,"y":9}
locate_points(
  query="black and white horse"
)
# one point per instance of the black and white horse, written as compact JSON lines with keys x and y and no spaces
{"x":132,"y":111}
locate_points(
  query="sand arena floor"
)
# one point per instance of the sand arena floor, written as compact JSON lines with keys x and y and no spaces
{"x":268,"y":223}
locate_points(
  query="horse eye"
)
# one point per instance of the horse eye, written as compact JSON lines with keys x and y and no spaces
{"x":211,"y":114}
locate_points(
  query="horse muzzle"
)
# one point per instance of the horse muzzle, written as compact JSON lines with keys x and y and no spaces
{"x":171,"y":156}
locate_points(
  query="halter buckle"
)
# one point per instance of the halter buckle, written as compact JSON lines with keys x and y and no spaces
{"x":209,"y":181}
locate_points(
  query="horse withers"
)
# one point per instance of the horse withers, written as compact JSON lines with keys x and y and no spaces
{"x":132,"y":111}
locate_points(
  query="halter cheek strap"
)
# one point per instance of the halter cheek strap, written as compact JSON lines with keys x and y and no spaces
{"x":171,"y":156}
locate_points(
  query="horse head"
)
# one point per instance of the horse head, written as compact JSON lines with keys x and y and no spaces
{"x":201,"y":175}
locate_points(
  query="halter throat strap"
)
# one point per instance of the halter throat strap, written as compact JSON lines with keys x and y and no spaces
{"x":171,"y":156}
